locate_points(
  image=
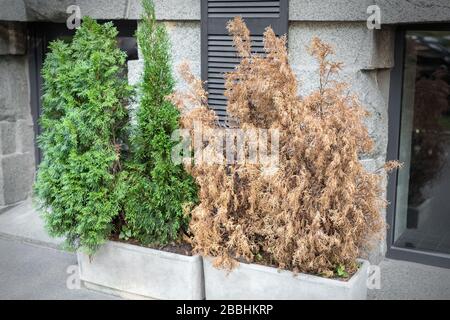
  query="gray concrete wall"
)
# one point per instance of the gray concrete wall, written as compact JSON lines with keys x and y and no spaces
{"x":16,"y":125}
{"x":186,"y":46}
{"x":392,"y":11}
{"x":367,"y":55}
{"x":185,"y":41}
{"x":55,"y":10}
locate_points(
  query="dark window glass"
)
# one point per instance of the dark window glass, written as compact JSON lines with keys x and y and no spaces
{"x":422,"y":219}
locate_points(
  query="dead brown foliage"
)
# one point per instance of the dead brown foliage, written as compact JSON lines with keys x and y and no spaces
{"x":321,"y":208}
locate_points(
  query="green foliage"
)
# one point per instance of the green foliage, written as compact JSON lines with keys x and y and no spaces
{"x":341,"y":272}
{"x":89,"y":183}
{"x":125,"y":234}
{"x":83,"y":123}
{"x":153,"y":188}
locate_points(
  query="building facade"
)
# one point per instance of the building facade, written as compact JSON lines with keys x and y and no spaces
{"x":396,"y":56}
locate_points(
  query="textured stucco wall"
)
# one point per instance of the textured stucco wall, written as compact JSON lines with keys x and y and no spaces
{"x":392,"y":11}
{"x":367,"y":57}
{"x":16,"y":125}
{"x":186,"y":45}
{"x":366,"y":54}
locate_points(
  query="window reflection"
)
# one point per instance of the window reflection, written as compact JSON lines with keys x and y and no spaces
{"x":423,"y":193}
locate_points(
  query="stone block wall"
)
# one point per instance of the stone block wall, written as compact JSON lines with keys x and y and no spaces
{"x":17,"y":166}
{"x":367,"y":56}
{"x":185,"y":41}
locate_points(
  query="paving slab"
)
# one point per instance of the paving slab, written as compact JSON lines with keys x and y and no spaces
{"x":22,"y":222}
{"x":32,"y":272}
{"x":402,"y":280}
{"x":32,"y":266}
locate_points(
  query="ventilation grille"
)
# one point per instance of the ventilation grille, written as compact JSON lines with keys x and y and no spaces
{"x":245,"y":9}
{"x":222,"y":58}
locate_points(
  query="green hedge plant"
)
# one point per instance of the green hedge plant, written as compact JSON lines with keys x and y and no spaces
{"x":82,"y":121}
{"x":99,"y":176}
{"x":155,"y":191}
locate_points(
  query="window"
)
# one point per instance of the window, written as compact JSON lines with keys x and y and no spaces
{"x":420,"y":139}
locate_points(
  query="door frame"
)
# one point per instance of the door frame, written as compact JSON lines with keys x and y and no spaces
{"x":394,"y":123}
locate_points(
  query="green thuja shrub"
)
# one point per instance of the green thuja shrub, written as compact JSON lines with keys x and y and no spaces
{"x":155,"y":190}
{"x":83,"y":121}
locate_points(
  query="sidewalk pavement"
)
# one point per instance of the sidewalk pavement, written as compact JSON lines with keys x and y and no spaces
{"x":23,"y":223}
{"x":403,"y":280}
{"x":32,"y":266}
{"x":32,"y":272}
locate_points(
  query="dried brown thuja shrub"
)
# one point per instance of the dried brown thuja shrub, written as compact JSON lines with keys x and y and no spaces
{"x":321,"y":208}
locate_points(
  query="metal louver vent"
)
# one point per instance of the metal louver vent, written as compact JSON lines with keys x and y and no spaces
{"x":218,"y":53}
{"x":222,"y":58}
{"x":246,"y":9}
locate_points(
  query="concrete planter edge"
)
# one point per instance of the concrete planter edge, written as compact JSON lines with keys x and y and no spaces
{"x":132,"y":271}
{"x":252,"y":281}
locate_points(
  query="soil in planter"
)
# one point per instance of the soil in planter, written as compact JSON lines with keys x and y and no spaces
{"x":183,"y":248}
{"x":266,"y":261}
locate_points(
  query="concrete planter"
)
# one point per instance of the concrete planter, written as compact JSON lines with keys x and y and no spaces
{"x":136,"y":272}
{"x":251,"y":281}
